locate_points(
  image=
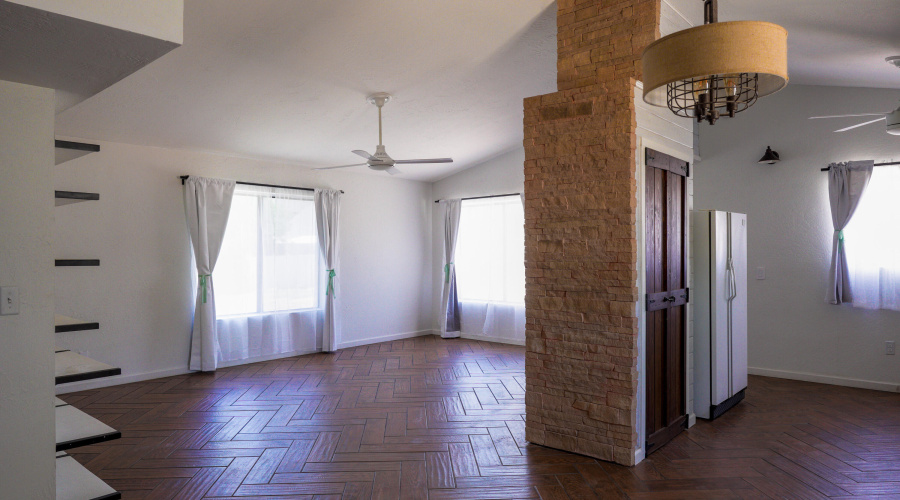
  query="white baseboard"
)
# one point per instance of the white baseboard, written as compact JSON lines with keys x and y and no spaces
{"x":384,"y":338}
{"x":119,"y":380}
{"x":488,"y":338}
{"x":638,"y":455}
{"x":826,"y":379}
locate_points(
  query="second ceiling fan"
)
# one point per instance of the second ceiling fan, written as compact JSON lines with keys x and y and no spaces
{"x":380,"y":160}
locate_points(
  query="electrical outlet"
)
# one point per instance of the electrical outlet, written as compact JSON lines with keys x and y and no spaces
{"x":9,"y":300}
{"x":760,"y":273}
{"x":889,"y":348}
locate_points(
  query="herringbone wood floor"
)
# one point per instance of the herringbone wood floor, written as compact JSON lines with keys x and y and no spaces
{"x":443,"y":419}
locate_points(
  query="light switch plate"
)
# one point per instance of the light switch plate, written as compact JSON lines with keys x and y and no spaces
{"x":9,"y":300}
{"x":760,"y":273}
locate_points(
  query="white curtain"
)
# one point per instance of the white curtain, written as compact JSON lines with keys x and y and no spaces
{"x":846,"y":184}
{"x":449,"y":316}
{"x":872,"y":239}
{"x":493,"y":319}
{"x":248,"y":337}
{"x":269,"y":267}
{"x":328,"y":208}
{"x":207,"y":203}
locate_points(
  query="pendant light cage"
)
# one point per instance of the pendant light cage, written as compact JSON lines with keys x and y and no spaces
{"x":708,"y":98}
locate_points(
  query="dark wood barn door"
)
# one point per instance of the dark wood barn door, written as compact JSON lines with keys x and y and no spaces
{"x":666,"y":297}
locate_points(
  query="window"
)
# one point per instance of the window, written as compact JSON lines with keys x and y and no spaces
{"x":270,"y":255}
{"x":490,"y":250}
{"x":873,"y":243}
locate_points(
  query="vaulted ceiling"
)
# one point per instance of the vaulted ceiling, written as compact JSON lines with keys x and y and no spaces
{"x":287,"y":79}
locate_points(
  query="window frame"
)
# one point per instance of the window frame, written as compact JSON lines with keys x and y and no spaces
{"x":489,"y":200}
{"x":260,"y":194}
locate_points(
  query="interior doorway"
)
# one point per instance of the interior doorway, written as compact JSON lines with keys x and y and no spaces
{"x":666,"y":297}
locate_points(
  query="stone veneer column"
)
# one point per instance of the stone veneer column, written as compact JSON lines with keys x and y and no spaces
{"x":580,"y":242}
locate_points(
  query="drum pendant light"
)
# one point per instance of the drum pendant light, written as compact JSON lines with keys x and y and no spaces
{"x":715,"y":69}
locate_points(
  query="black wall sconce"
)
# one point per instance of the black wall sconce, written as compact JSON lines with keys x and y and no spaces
{"x":770,"y":158}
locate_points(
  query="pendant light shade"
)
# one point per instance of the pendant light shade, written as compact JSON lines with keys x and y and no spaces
{"x":715,"y":69}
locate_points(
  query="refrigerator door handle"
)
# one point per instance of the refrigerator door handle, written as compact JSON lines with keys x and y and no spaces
{"x":732,"y":278}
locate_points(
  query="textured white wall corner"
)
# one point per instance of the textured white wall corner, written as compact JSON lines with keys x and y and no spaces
{"x":791,"y":328}
{"x":26,"y":340}
{"x":142,"y":293}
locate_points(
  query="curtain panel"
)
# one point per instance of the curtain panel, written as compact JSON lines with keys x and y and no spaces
{"x":493,"y":319}
{"x":255,"y":336}
{"x":328,"y":208}
{"x":207,"y":203}
{"x":450,"y":317}
{"x":846,"y":184}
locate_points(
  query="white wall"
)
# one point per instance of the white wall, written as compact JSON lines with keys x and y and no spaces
{"x":142,"y":294}
{"x":502,"y":174}
{"x":792,"y":331}
{"x":27,"y":468}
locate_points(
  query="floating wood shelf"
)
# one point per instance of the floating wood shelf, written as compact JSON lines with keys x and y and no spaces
{"x":69,"y":197}
{"x":73,"y":367}
{"x":66,"y":324}
{"x":69,"y":150}
{"x":75,"y":428}
{"x":77,"y":262}
{"x":74,"y":482}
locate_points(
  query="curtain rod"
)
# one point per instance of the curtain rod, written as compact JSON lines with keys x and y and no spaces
{"x":826,"y":169}
{"x":184,"y":177}
{"x":489,"y":196}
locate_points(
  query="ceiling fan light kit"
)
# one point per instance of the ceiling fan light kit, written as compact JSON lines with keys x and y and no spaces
{"x":893,"y":122}
{"x":715,"y":69}
{"x":380,"y":160}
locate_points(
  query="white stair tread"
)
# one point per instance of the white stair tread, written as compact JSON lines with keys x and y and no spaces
{"x":74,"y":482}
{"x":60,"y":320}
{"x":76,"y":428}
{"x":68,"y":324}
{"x":72,"y":367}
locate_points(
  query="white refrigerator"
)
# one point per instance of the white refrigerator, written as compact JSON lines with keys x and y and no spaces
{"x":720,"y":311}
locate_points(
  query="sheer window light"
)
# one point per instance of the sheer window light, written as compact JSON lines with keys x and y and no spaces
{"x":490,"y":251}
{"x":872,"y":242}
{"x":270,"y":255}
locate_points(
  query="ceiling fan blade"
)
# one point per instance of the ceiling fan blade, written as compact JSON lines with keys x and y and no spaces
{"x":859,"y":125}
{"x":846,"y":116}
{"x":393,"y":171}
{"x":362,"y":153}
{"x":427,"y":160}
{"x":341,"y":166}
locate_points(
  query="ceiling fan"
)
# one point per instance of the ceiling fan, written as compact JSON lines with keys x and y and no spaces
{"x":380,"y":160}
{"x":892,"y":119}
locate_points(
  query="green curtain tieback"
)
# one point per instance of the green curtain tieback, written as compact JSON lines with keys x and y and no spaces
{"x":331,"y":275}
{"x":841,"y":235}
{"x":447,"y":272}
{"x":203,"y":278}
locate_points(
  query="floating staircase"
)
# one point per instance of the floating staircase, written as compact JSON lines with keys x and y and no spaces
{"x":75,"y":428}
